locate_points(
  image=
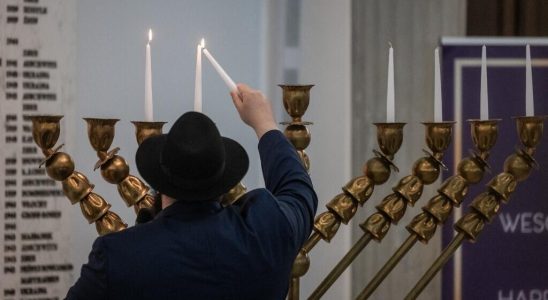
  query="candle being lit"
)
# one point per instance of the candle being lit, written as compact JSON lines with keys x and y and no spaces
{"x":529,"y":100}
{"x":484,"y":103}
{"x":228,"y":81}
{"x":148,"y":81}
{"x":198,"y":79}
{"x":390,"y":105}
{"x":437,"y":87}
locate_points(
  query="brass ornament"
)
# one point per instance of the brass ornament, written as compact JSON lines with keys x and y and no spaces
{"x":410,"y":187}
{"x":376,"y":225}
{"x":296,"y":99}
{"x":326,"y":224}
{"x":76,"y":186}
{"x":343,"y":206}
{"x":298,"y":135}
{"x":144,"y":130}
{"x":439,"y":208}
{"x":360,"y":189}
{"x":301,"y":264}
{"x":377,"y":170}
{"x":233,"y":194}
{"x":423,"y":226}
{"x":393,"y":206}
{"x":454,"y":188}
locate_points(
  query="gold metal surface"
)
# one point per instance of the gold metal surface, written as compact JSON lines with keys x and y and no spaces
{"x":76,"y":187}
{"x":115,"y":169}
{"x":326,"y":224}
{"x":109,"y":223}
{"x":410,"y":187}
{"x":343,"y":206}
{"x":360,"y":188}
{"x":59,"y":166}
{"x":234,"y":194}
{"x":377,"y":169}
{"x":427,"y":169}
{"x":45,"y":131}
{"x":304,"y":159}
{"x":301,"y":264}
{"x":487,"y":205}
{"x":439,"y":207}
{"x":93,"y":207}
{"x":455,"y":188}
{"x":393,"y":206}
{"x":296,"y":99}
{"x":144,"y":130}
{"x":484,"y":134}
{"x":389,"y":137}
{"x":438,"y":136}
{"x":101,"y":133}
{"x":298,"y":135}
{"x":146,"y":202}
{"x":377,"y":225}
{"x":132,"y":189}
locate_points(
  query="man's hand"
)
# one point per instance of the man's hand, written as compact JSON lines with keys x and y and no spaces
{"x":254,"y":109}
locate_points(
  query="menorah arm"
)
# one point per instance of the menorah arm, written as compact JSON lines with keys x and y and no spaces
{"x":517,"y":167}
{"x":76,"y":186}
{"x":452,"y":192}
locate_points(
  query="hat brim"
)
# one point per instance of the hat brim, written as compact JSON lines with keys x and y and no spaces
{"x":148,"y":156}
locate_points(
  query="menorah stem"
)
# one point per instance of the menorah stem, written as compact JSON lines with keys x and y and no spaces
{"x":311,"y":242}
{"x":294,"y":289}
{"x":436,"y":266}
{"x":388,"y":267}
{"x":341,"y":266}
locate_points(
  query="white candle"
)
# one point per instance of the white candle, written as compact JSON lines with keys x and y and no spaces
{"x":484,"y":103}
{"x":529,"y":103}
{"x":148,"y":81}
{"x":437,"y":87}
{"x":390,"y":109}
{"x":228,"y":81}
{"x":198,"y":79}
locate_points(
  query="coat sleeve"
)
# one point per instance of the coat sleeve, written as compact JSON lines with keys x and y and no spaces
{"x":92,"y":283}
{"x":287,"y":179}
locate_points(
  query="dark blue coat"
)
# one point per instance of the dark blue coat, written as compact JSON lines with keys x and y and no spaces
{"x":203,"y":251}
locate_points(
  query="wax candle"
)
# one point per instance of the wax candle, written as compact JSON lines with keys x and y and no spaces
{"x":198,"y":79}
{"x":228,"y":81}
{"x":148,"y":81}
{"x":437,"y":88}
{"x":484,"y":103}
{"x":529,"y":100}
{"x":390,"y":109}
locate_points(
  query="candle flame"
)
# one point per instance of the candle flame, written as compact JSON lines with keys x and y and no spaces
{"x":390,"y":44}
{"x":149,"y":35}
{"x":202,"y":43}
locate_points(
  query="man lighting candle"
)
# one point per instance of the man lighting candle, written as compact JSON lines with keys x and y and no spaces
{"x":228,"y":81}
{"x":195,"y":248}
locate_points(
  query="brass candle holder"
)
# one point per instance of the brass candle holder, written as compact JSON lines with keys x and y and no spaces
{"x":295,"y":100}
{"x":392,"y":208}
{"x":76,"y":186}
{"x":114,"y":168}
{"x":422,"y":228}
{"x":486,"y":205}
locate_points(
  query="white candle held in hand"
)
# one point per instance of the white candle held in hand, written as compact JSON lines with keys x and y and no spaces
{"x":390,"y":105}
{"x":148,"y":81}
{"x":529,"y":99}
{"x":437,"y":88}
{"x":198,"y":79}
{"x":228,"y":81}
{"x":484,"y":102}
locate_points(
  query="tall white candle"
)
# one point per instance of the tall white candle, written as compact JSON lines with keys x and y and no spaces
{"x":529,"y":100}
{"x":437,"y":87}
{"x":198,"y":79}
{"x":390,"y":106}
{"x":484,"y":103}
{"x":148,"y":81}
{"x":228,"y":81}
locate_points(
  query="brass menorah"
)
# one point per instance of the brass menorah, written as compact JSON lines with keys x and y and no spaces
{"x":342,"y":208}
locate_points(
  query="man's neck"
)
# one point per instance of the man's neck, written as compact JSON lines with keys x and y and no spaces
{"x":167,"y":201}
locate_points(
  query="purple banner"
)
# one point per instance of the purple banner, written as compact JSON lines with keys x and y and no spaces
{"x":510,"y":258}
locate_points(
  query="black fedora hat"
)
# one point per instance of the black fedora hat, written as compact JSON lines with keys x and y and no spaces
{"x":192,"y":162}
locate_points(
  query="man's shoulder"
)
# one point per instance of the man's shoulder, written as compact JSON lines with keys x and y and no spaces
{"x":131,"y":235}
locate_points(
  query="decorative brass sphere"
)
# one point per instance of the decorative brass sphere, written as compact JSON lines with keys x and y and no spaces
{"x":115,"y":170}
{"x":470,"y":169}
{"x":376,"y":169}
{"x":298,"y":135}
{"x":427,"y":169}
{"x":301,"y":264}
{"x":59,"y":166}
{"x":518,"y":166}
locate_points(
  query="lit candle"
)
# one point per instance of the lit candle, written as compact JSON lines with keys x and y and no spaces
{"x":228,"y":81}
{"x":148,"y":81}
{"x":198,"y":80}
{"x":529,"y":103}
{"x":484,"y":103}
{"x":390,"y":109}
{"x":437,"y":87}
